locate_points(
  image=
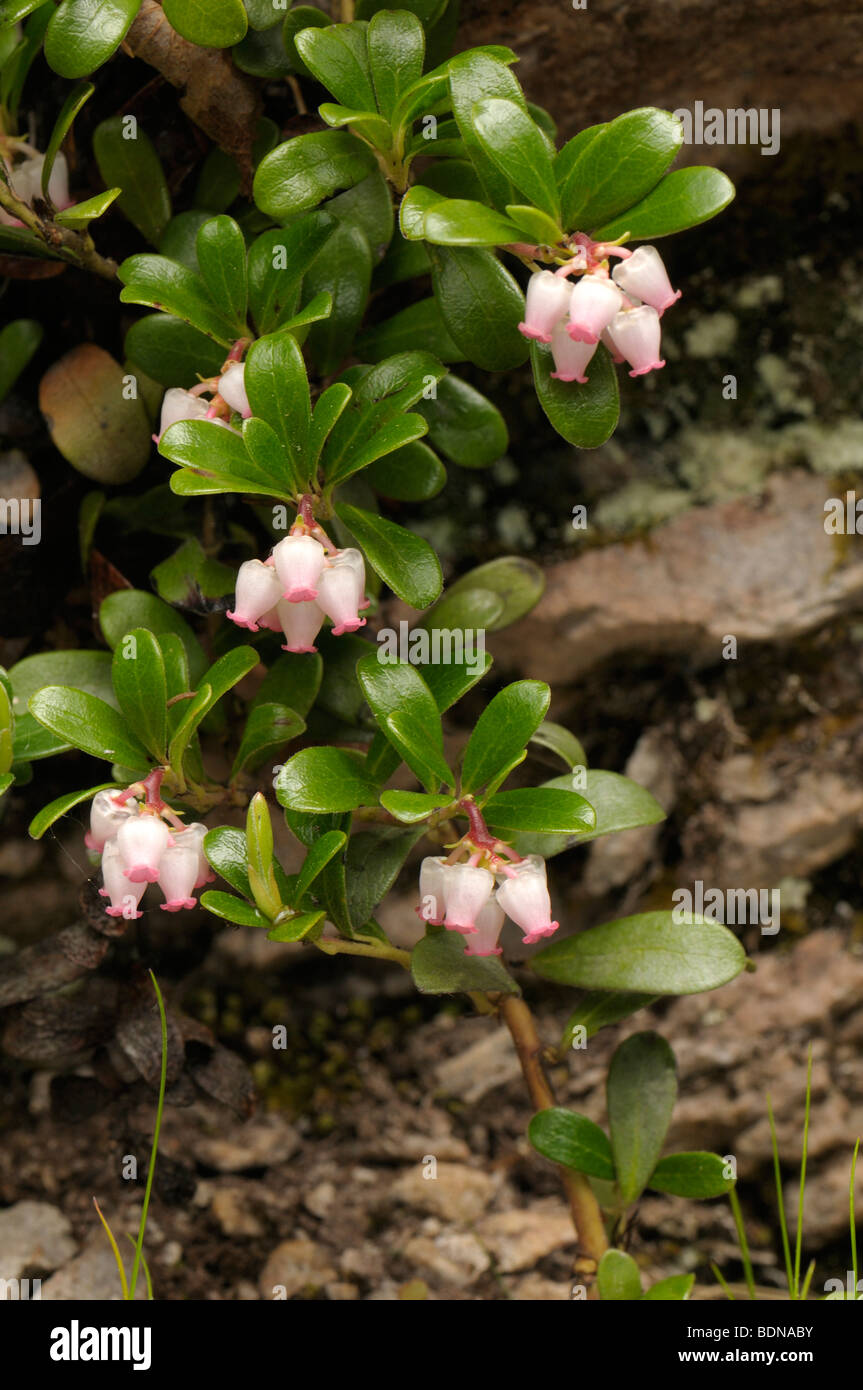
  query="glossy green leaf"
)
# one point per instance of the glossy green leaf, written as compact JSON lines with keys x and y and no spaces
{"x":502,"y":731}
{"x":537,"y":808}
{"x":268,"y":728}
{"x":190,"y":575}
{"x":396,"y":48}
{"x":329,"y":407}
{"x":481,"y":305}
{"x":83,"y":34}
{"x":600,"y":1008}
{"x":127,"y":159}
{"x":326,"y":779}
{"x":462,"y":222}
{"x":278,"y":392}
{"x":278,"y":260}
{"x":618,"y":168}
{"x":88,"y":723}
{"x":259,"y":844}
{"x":697,"y":1175}
{"x":263,"y":54}
{"x":584,"y":415}
{"x":403,"y":560}
{"x":572,"y":1140}
{"x":513,"y":142}
{"x":292,"y":680}
{"x":303,"y":171}
{"x":227,"y":853}
{"x":138,"y":672}
{"x":63,"y":124}
{"x":45,"y":818}
{"x":295,"y":927}
{"x":411,"y":807}
{"x":207,"y":23}
{"x":126,"y":609}
{"x":535,"y":226}
{"x":339,"y":59}
{"x":516,"y":583}
{"x":369,"y":207}
{"x":15,"y":69}
{"x":344,"y":268}
{"x":618,"y":1278}
{"x":428,"y":12}
{"x":263,"y":14}
{"x":301,"y":17}
{"x":82,"y":214}
{"x":684,"y":198}
{"x":418,"y":323}
{"x":440,"y":966}
{"x":19,"y":341}
{"x":641,"y":1091}
{"x":619,"y":803}
{"x":233,"y":909}
{"x":566,"y":157}
{"x":319,"y":855}
{"x":171,"y":351}
{"x":373,"y":862}
{"x":413,"y":473}
{"x":476,"y":77}
{"x":226,"y":464}
{"x":222,"y":261}
{"x":464,"y":425}
{"x":164,"y":284}
{"x":560,"y":741}
{"x":418,"y":748}
{"x":649,"y":953}
{"x":13,"y":11}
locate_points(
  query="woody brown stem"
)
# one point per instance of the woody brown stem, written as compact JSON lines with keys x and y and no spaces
{"x":586,"y":1215}
{"x":76,"y":247}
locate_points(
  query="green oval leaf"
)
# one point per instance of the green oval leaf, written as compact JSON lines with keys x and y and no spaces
{"x":481,"y":306}
{"x":84,"y":33}
{"x":572,"y":1140}
{"x":232,"y":909}
{"x":698,"y":1175}
{"x":649,"y":953}
{"x":61,"y":807}
{"x":326,"y":779}
{"x":302,"y":172}
{"x":513,"y":142}
{"x":684,"y":198}
{"x":502,"y":731}
{"x":440,"y":966}
{"x":207,"y":23}
{"x":127,"y":158}
{"x":90,"y":724}
{"x":618,"y":1277}
{"x":164,"y":284}
{"x":171,"y":351}
{"x":267,"y":729}
{"x":338,"y":57}
{"x":641,"y":1089}
{"x":403,"y":560}
{"x":583,"y":414}
{"x":138,"y":672}
{"x":537,"y":808}
{"x":221,"y":252}
{"x":464,"y":424}
{"x":617,"y":168}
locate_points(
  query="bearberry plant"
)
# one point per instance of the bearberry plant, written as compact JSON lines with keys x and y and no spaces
{"x":309,"y":304}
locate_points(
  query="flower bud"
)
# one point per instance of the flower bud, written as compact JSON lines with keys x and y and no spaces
{"x":142,"y":840}
{"x":594,"y":303}
{"x":489,"y":923}
{"x":124,"y":894}
{"x":258,"y":591}
{"x":341,"y":591}
{"x":570,"y":358}
{"x":547,"y":302}
{"x":466,"y":890}
{"x":432,"y":880}
{"x":106,"y":817}
{"x":232,"y":389}
{"x":644,"y":276}
{"x":298,"y":561}
{"x":636,"y":334}
{"x":523,"y":895}
{"x":301,"y":623}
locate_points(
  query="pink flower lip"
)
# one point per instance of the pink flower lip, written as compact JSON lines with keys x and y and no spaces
{"x":661,"y":308}
{"x":492,"y":951}
{"x":177,"y":904}
{"x":118,"y":912}
{"x":299,"y":650}
{"x":652,"y":367}
{"x":569,"y":376}
{"x":581,"y":335}
{"x":142,"y":873}
{"x":535,"y":333}
{"x":462,"y":930}
{"x":299,"y":595}
{"x":539,"y":932}
{"x":241,"y":622}
{"x":349,"y":627}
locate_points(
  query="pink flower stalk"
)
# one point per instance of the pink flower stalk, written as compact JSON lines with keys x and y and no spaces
{"x":178,"y":404}
{"x":301,"y":623}
{"x":594,"y":303}
{"x":125,"y":894}
{"x":232,"y":388}
{"x":466,"y":891}
{"x":523,"y":895}
{"x":489,"y":923}
{"x":106,"y":817}
{"x":341,"y":591}
{"x":432,"y":880}
{"x":258,"y":591}
{"x":298,"y":562}
{"x":644,"y":276}
{"x":636,"y":334}
{"x":178,"y":873}
{"x":570,"y":358}
{"x":546,"y":304}
{"x":142,"y":840}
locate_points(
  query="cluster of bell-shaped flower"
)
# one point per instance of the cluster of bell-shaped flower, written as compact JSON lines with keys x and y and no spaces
{"x":472,"y":900}
{"x":297,"y":586}
{"x":622,"y":310}
{"x":137,"y":848}
{"x":25,"y":181}
{"x":227,"y":395}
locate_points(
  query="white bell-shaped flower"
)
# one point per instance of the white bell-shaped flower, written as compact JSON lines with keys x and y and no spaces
{"x":341,"y":590}
{"x":523,"y":895}
{"x":142,"y":841}
{"x":432,"y":904}
{"x":594,"y":303}
{"x":547,"y":302}
{"x":232,"y":388}
{"x":258,"y":590}
{"x":299,"y":560}
{"x":643,"y":276}
{"x":106,"y":817}
{"x":178,"y":873}
{"x":467,"y":889}
{"x":124,"y":894}
{"x":636,"y":333}
{"x":301,"y":623}
{"x":489,"y":923}
{"x":178,"y":404}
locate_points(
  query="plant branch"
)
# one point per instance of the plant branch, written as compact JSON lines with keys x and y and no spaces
{"x":75,"y":247}
{"x":586,"y":1215}
{"x":336,"y":946}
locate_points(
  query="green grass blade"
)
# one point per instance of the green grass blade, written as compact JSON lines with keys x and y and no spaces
{"x":851,"y":1213}
{"x":798,"y":1246}
{"x":742,"y":1242}
{"x":726,"y":1290}
{"x":780,"y":1201}
{"x":142,"y":1226}
{"x":110,"y":1234}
